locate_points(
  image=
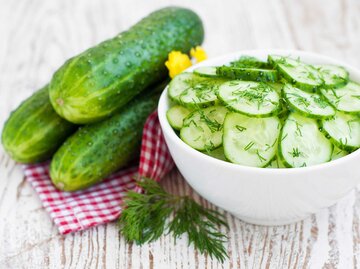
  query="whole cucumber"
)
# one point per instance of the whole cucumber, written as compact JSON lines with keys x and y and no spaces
{"x":97,"y":150}
{"x":34,"y":131}
{"x":102,"y":79}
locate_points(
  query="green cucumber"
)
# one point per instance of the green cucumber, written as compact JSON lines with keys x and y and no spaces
{"x":34,"y":131}
{"x":176,"y":115}
{"x":101,"y":80}
{"x":306,"y":77}
{"x":338,"y":153}
{"x":250,"y":62}
{"x":248,"y":74}
{"x":217,"y":153}
{"x":206,"y":71}
{"x":97,"y":150}
{"x":344,"y":131}
{"x":276,"y":163}
{"x":250,"y":98}
{"x":334,"y":76}
{"x":308,"y":104}
{"x":193,"y":91}
{"x":250,"y":141}
{"x":302,"y":144}
{"x":345,"y":99}
{"x":202,"y":129}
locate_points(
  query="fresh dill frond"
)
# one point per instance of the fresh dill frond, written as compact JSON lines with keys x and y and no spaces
{"x":146,"y":216}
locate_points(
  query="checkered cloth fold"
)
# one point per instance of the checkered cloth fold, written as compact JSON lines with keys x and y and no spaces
{"x":75,"y":211}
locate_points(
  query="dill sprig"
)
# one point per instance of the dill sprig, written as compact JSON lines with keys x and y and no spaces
{"x":146,"y":216}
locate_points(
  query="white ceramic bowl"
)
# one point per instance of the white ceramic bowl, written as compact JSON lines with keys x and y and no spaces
{"x":258,"y":195}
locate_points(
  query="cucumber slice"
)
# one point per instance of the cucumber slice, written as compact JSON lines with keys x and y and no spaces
{"x":276,"y":163}
{"x":248,"y":74}
{"x":206,"y":71}
{"x":277,"y":87}
{"x":338,"y":153}
{"x":344,"y":130}
{"x":217,"y":153}
{"x":334,"y":76}
{"x":302,"y":144}
{"x":304,"y":76}
{"x":193,"y":91}
{"x":250,"y":62}
{"x":311,"y":105}
{"x":176,"y":116}
{"x":346,"y":98}
{"x":250,"y":98}
{"x":202,"y":129}
{"x":250,"y":141}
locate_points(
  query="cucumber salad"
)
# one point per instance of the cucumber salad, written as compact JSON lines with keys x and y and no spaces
{"x":281,"y":113}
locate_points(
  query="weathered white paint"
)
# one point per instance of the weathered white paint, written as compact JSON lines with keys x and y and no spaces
{"x":37,"y":36}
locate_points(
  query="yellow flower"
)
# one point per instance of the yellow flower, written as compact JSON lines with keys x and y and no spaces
{"x":198,"y":53}
{"x":177,"y":62}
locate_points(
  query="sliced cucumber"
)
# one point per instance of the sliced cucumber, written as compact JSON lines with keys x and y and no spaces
{"x":309,"y":104}
{"x":176,"y":116}
{"x":217,"y":153}
{"x":250,"y":141}
{"x":304,"y":76}
{"x":250,"y":98}
{"x":206,"y":71}
{"x":202,"y":129}
{"x":334,"y":76}
{"x":193,"y":91}
{"x":276,"y":163}
{"x":250,"y":62}
{"x":344,"y":130}
{"x":338,"y":153}
{"x":277,"y":87}
{"x":302,"y":144}
{"x":346,"y":98}
{"x":248,"y":74}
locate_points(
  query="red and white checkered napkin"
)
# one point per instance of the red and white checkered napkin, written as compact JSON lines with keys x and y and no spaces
{"x":101,"y":203}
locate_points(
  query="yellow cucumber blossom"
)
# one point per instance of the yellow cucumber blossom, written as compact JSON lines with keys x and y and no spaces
{"x":198,"y":53}
{"x":177,"y":62}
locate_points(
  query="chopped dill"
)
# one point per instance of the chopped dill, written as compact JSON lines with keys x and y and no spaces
{"x":261,"y":158}
{"x":249,"y":145}
{"x":295,"y":153}
{"x":240,"y":128}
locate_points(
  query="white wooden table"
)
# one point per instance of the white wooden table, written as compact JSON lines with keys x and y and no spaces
{"x":37,"y":36}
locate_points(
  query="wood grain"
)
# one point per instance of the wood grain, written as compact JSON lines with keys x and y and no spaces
{"x":37,"y":36}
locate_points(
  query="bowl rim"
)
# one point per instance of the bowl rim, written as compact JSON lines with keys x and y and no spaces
{"x":166,"y":128}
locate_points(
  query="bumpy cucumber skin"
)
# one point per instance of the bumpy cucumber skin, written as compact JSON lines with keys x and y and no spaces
{"x":250,"y":62}
{"x":98,"y":82}
{"x":97,"y":150}
{"x":250,"y":74}
{"x":34,"y":131}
